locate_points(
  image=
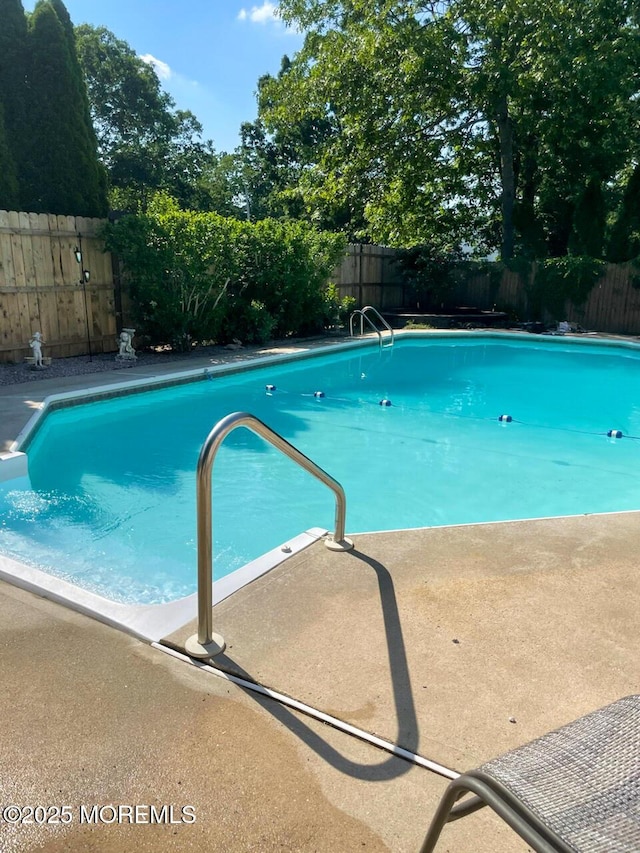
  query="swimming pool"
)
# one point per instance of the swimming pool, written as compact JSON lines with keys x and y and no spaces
{"x":109,"y":503}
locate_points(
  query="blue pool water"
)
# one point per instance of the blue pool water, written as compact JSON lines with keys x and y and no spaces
{"x":110,"y":500}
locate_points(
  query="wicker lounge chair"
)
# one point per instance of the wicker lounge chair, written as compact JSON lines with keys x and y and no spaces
{"x":574,"y":790}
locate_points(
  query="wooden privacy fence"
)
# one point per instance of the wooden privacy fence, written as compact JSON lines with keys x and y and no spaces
{"x":613,"y":304}
{"x":370,"y":275}
{"x":42,"y":287}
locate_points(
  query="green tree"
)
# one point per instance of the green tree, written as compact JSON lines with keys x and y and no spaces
{"x":13,"y":96}
{"x":218,"y":187}
{"x":61,"y":172}
{"x":589,"y":221}
{"x":203,"y":277}
{"x":624,"y":241}
{"x":458,"y":121}
{"x":9,"y":198}
{"x":146,"y":144}
{"x":272,"y":163}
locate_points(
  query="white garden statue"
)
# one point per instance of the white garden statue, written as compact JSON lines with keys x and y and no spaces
{"x":36,"y":348}
{"x":126,"y":351}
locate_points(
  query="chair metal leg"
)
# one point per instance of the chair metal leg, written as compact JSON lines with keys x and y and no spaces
{"x":491,"y":794}
{"x":441,"y":817}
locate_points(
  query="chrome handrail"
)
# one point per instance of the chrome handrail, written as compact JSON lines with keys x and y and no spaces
{"x":205,"y":643}
{"x":362,"y":312}
{"x":362,"y":318}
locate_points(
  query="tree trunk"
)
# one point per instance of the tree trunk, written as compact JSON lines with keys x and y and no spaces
{"x":507,"y":176}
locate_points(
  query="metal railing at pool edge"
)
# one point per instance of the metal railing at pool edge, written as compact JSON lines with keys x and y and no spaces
{"x":362,"y":312}
{"x":206,"y":644}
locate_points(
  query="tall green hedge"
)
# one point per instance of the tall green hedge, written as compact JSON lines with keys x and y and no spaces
{"x":200,"y":277}
{"x":61,"y":170}
{"x":13,"y":101}
{"x":9,"y":196}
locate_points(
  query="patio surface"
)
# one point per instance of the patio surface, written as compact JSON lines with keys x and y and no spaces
{"x":455,"y":643}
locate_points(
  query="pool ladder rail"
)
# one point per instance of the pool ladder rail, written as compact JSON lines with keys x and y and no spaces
{"x":206,"y":644}
{"x":363,"y":313}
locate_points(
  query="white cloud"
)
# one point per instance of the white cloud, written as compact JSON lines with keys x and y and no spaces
{"x":161,"y":68}
{"x":260,"y":14}
{"x":264,"y":13}
{"x":268,"y":13}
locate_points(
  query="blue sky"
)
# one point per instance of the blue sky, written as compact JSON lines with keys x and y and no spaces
{"x":208,"y":54}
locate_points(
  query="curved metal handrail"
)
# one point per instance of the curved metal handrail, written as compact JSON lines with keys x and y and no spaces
{"x":362,"y":312}
{"x":371,"y":324}
{"x":205,"y":643}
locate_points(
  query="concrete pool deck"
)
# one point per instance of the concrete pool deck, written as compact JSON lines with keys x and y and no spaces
{"x":455,"y":643}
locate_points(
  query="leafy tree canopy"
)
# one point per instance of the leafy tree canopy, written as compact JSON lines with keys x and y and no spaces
{"x":146,"y":143}
{"x":463,"y":121}
{"x":272,"y":165}
{"x":9,"y":197}
{"x":624,"y":243}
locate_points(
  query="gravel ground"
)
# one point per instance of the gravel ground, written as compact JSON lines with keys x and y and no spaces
{"x":13,"y":374}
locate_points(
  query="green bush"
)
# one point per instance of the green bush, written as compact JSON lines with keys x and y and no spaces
{"x":430,"y":272}
{"x":336,"y":310}
{"x":202,"y":277}
{"x":286,"y":265}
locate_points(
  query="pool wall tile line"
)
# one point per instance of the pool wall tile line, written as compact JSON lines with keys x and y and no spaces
{"x":154,"y":382}
{"x":505,"y":522}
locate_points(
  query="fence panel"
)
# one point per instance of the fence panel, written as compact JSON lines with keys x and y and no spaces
{"x":613,"y":304}
{"x":369,"y":274}
{"x":42,"y":288}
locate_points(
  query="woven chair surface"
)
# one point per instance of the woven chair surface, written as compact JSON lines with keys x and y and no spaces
{"x":582,"y":780}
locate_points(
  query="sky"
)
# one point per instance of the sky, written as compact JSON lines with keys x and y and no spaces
{"x":209,"y":54}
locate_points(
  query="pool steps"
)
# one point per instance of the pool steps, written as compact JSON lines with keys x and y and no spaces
{"x":13,"y":464}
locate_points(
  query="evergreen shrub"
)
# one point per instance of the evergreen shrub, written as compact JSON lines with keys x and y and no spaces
{"x":201,"y":277}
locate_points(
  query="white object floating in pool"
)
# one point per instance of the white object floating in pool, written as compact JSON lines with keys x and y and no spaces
{"x":615,"y":433}
{"x":506,"y":419}
{"x":270,"y":388}
{"x":385,"y":402}
{"x":318,"y":394}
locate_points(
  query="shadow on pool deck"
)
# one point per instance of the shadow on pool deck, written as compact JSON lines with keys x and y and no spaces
{"x":434,"y":639}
